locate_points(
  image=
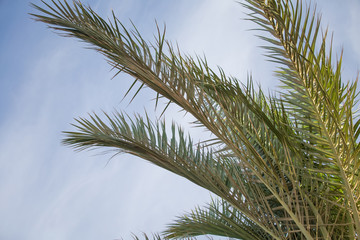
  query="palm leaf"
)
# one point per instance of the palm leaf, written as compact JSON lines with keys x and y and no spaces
{"x":287,"y":165}
{"x":319,"y":104}
{"x":219,"y":173}
{"x":218,"y":218}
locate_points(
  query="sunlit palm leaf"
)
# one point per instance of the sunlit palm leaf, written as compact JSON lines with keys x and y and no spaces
{"x":223,"y":175}
{"x":321,"y":107}
{"x":218,"y":218}
{"x":287,"y":164}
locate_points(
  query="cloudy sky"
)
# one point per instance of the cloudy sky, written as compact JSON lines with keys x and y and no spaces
{"x":48,"y":191}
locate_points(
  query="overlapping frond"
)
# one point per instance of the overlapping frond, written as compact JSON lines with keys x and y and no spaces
{"x":223,"y":174}
{"x":218,"y":218}
{"x":321,"y":108}
{"x":237,"y":122}
{"x":288,"y":165}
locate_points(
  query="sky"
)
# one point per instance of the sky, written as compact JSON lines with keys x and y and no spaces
{"x":48,"y":191}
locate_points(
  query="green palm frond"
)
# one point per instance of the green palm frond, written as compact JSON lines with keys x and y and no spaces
{"x":218,"y":218}
{"x":320,"y":105}
{"x":286,"y":166}
{"x":179,"y":80}
{"x":220,"y":173}
{"x":142,"y":138}
{"x":153,"y":237}
{"x":147,"y":237}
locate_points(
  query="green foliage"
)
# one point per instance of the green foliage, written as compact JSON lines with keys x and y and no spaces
{"x":284,"y":166}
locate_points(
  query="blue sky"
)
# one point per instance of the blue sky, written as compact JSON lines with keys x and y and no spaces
{"x":48,"y":191}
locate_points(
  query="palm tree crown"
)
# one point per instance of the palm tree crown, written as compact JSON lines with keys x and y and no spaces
{"x":284,"y":166}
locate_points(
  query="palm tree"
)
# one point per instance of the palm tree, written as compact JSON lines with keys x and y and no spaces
{"x":283,"y":165}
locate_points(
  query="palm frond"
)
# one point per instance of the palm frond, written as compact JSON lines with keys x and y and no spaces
{"x":140,"y":137}
{"x":221,"y":174}
{"x":320,"y":105}
{"x":180,"y":80}
{"x":219,"y":218}
{"x":145,"y":236}
{"x":286,"y":166}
